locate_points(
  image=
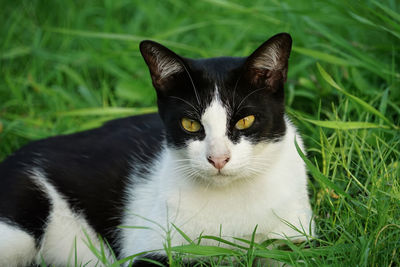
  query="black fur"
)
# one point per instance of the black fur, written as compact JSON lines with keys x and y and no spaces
{"x":89,"y":168}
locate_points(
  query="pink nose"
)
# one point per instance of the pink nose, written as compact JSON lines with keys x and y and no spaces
{"x":218,"y":162}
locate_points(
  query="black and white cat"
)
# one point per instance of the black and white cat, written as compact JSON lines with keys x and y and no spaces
{"x":218,"y":159}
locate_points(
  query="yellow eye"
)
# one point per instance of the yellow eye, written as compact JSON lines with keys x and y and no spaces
{"x":190,"y":125}
{"x":245,"y":122}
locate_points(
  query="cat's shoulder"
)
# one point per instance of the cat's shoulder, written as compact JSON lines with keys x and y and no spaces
{"x":117,"y":136}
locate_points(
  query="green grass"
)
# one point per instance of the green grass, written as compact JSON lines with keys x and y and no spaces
{"x":68,"y":66}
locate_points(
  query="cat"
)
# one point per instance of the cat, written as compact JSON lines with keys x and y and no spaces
{"x":219,"y":159}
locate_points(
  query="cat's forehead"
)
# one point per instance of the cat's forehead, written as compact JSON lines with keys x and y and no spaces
{"x":216,"y":64}
{"x":216,"y":70}
{"x":213,"y":78}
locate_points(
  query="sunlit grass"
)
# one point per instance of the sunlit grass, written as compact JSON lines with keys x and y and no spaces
{"x":71,"y":65}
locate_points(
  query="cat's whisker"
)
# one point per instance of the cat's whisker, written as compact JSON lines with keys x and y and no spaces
{"x":185,"y":169}
{"x":249,"y":94}
{"x":182,"y":170}
{"x":191,"y":175}
{"x":258,"y":161}
{"x":182,"y":161}
{"x":194,"y":87}
{"x":189,"y":164}
{"x":185,"y":101}
{"x":234,"y":89}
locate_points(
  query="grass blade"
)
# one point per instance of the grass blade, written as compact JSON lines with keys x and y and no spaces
{"x":208,"y":251}
{"x":221,"y":240}
{"x":359,"y":101}
{"x":323,"y":56}
{"x":322,"y":179}
{"x":122,"y":37}
{"x":346,"y":125}
{"x":108,"y":111}
{"x":185,"y":236}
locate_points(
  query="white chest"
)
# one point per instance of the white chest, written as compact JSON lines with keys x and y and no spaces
{"x":168,"y":200}
{"x":195,"y":212}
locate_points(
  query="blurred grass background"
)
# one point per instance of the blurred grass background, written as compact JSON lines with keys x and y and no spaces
{"x":68,"y":66}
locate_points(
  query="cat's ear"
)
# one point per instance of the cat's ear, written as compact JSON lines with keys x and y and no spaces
{"x":268,"y":65}
{"x":162,"y":62}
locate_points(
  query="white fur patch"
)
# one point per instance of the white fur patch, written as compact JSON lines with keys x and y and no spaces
{"x":66,"y":235}
{"x":214,"y":121}
{"x":269,"y":59}
{"x":17,"y":247}
{"x":166,"y":65}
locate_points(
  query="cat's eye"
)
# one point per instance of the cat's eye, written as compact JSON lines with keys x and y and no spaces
{"x":245,"y":122}
{"x":190,"y":125}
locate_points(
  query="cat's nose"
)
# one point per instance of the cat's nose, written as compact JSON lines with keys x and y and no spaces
{"x":218,"y":162}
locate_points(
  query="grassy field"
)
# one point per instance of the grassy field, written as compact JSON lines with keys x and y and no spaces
{"x":68,"y":66}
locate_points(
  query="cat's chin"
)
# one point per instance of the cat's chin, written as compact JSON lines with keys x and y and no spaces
{"x":219,"y":178}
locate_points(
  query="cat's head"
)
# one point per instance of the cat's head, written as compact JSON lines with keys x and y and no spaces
{"x":219,"y":113}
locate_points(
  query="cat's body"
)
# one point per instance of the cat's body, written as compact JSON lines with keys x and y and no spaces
{"x":89,"y":170}
{"x":219,"y":160}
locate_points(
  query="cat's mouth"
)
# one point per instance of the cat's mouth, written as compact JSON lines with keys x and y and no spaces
{"x":221,"y":179}
{"x":215,"y":175}
{"x":218,"y":178}
{"x":221,"y":175}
